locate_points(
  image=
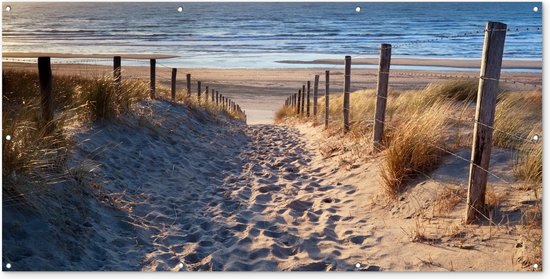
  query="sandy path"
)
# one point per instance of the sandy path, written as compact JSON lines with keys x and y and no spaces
{"x":288,"y":215}
{"x":178,"y":189}
{"x":270,"y":211}
{"x":203,"y":195}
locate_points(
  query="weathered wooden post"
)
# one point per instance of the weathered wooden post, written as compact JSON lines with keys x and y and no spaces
{"x":303,"y":100}
{"x":188,"y":85}
{"x":212,"y":96}
{"x":491,"y":62}
{"x":199,"y":91}
{"x":174,"y":72}
{"x":299,"y":101}
{"x":347,"y":75}
{"x":117,"y":74}
{"x":315,"y":91}
{"x":382,"y":95}
{"x":327,"y":94}
{"x":217,"y":98}
{"x":153,"y":71}
{"x":206,"y":95}
{"x":45,"y":77}
{"x":308,"y":103}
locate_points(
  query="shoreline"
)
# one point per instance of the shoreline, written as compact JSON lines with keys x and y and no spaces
{"x":473,"y":63}
{"x":363,"y":62}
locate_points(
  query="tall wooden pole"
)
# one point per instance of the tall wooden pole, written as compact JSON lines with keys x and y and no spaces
{"x":117,"y":74}
{"x":174,"y":73}
{"x":327,"y":94}
{"x":188,"y":85}
{"x":382,"y":95}
{"x":308,"y":103}
{"x":299,"y":101}
{"x":153,"y":71}
{"x":347,"y":76}
{"x":303,"y":100}
{"x":315,"y":92}
{"x":491,"y":62}
{"x":45,"y":80}
{"x":199,"y":90}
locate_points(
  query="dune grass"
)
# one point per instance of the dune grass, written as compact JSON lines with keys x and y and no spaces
{"x":419,"y":123}
{"x":284,"y":113}
{"x":515,"y":116}
{"x":529,"y":160}
{"x":415,"y":147}
{"x":36,"y":151}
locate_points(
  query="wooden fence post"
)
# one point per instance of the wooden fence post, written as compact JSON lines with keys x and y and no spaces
{"x":217,"y":98}
{"x":382,"y":95}
{"x":199,"y":91}
{"x":212,"y":96}
{"x":299,"y":101}
{"x":308,"y":103}
{"x":206,"y":95}
{"x":117,"y":74}
{"x":174,"y":72}
{"x":315,"y":91}
{"x":45,"y":77}
{"x":327,"y":94}
{"x":188,"y":85}
{"x":303,"y":100}
{"x":153,"y":71}
{"x":491,"y":62}
{"x":345,"y":108}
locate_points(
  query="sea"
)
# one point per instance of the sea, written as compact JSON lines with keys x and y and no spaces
{"x":264,"y":35}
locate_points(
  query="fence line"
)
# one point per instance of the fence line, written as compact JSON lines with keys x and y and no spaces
{"x":45,"y":82}
{"x":493,"y":50}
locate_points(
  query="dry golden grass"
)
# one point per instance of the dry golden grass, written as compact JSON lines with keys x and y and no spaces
{"x":448,"y":199}
{"x":454,"y":89}
{"x":415,"y":147}
{"x":518,"y":119}
{"x":418,"y":123}
{"x":530,"y":243}
{"x":529,"y":161}
{"x":492,"y":198}
{"x":515,"y":116}
{"x":284,"y":113}
{"x":36,"y":151}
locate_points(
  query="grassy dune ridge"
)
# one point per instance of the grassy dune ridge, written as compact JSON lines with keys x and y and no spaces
{"x":37,"y":150}
{"x":419,"y":124}
{"x":422,"y":128}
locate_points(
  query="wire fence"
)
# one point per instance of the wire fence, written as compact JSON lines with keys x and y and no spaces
{"x":529,"y":139}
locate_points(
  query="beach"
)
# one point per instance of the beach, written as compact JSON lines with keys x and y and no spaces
{"x":262,"y":91}
{"x":170,"y":136}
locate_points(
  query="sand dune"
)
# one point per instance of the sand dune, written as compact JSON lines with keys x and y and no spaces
{"x":181,"y":190}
